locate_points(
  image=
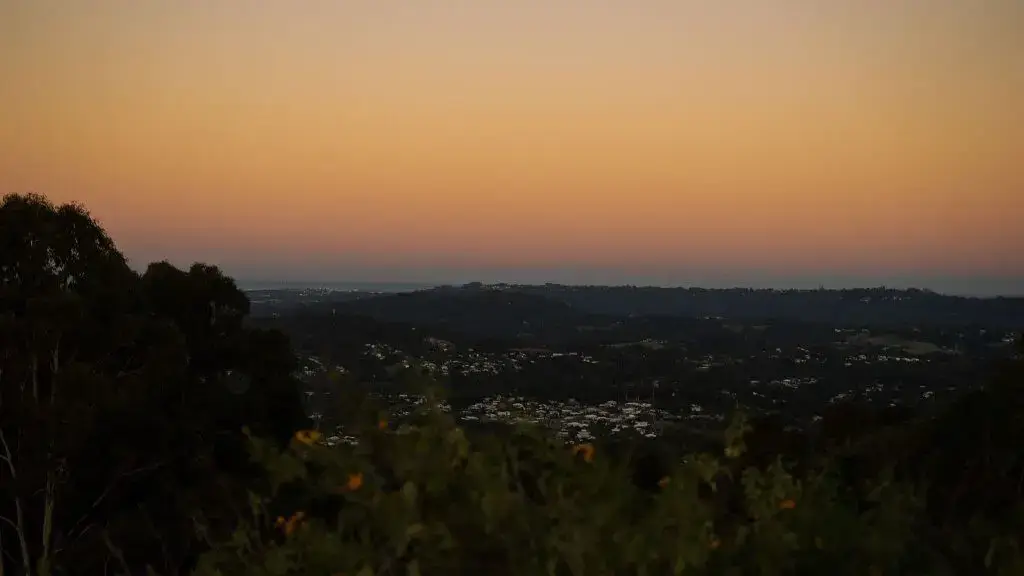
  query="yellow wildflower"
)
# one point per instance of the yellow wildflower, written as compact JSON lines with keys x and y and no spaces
{"x":586,"y":449}
{"x":787,"y":505}
{"x":307,"y":437}
{"x":354,"y":481}
{"x":289,"y":525}
{"x":663,"y":482}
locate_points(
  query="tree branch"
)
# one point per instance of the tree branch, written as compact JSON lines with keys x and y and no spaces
{"x":9,"y":555}
{"x":19,"y":527}
{"x":106,"y":493}
{"x":115,"y":552}
{"x":54,"y":368}
{"x":6,"y":456}
{"x":47,"y":533}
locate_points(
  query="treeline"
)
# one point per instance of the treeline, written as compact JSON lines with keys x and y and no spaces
{"x":852,"y":307}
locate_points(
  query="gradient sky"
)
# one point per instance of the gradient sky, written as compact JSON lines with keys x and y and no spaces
{"x":670,"y":141}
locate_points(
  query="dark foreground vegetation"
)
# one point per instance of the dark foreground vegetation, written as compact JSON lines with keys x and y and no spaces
{"x":147,"y":427}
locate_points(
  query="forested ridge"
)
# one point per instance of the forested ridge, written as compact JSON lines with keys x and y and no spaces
{"x":148,"y":426}
{"x":553,"y":303}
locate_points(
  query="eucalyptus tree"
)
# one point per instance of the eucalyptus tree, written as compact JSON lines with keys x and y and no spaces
{"x":122,"y":397}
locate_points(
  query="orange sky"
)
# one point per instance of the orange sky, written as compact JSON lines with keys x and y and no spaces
{"x":794,"y":137}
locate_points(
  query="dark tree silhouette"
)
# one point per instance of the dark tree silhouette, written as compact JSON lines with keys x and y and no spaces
{"x":116,"y":427}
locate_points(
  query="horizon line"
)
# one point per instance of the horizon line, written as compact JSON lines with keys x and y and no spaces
{"x":251,"y":285}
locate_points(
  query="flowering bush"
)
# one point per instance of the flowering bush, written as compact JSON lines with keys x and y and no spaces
{"x":426,"y":498}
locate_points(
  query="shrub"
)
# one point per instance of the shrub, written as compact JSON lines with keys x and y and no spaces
{"x":426,"y":498}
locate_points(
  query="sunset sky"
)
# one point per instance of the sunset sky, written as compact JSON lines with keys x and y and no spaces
{"x":646,"y":141}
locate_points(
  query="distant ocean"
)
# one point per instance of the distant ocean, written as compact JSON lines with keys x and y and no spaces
{"x":339,"y":286}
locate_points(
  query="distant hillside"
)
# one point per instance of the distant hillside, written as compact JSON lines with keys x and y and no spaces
{"x":312,"y":328}
{"x":548,"y":309}
{"x":875,"y":306}
{"x":478,"y":312}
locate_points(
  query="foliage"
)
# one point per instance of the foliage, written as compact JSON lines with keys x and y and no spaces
{"x":427,"y":498}
{"x":117,"y":434}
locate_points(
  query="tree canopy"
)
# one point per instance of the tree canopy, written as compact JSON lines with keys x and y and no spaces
{"x":116,"y":423}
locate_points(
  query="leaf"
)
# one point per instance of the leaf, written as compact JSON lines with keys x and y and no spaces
{"x":458,"y":438}
{"x":410,"y":492}
{"x":255,"y":504}
{"x":277,"y":562}
{"x":284,"y":469}
{"x":742,"y":533}
{"x":413,"y":529}
{"x":990,"y":555}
